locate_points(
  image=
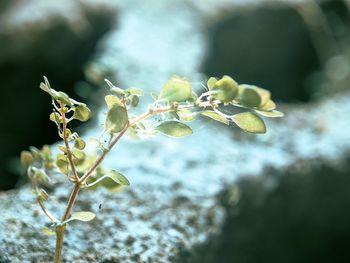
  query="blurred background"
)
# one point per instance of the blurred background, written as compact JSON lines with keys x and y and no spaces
{"x":298,"y":49}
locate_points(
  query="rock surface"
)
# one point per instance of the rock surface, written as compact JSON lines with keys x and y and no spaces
{"x":171,"y":205}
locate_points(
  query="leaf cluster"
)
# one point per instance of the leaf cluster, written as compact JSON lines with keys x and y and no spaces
{"x":177,"y":104}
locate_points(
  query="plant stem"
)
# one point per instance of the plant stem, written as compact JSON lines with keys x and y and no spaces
{"x":59,"y":244}
{"x":65,"y":139}
{"x":118,"y":137}
{"x":79,"y":183}
{"x":60,"y":229}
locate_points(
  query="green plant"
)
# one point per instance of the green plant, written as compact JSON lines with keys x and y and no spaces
{"x":176,"y":104}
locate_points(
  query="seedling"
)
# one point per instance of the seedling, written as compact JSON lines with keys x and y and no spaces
{"x":224,"y":101}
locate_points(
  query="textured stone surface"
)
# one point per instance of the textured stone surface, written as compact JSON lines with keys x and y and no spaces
{"x":171,"y":205}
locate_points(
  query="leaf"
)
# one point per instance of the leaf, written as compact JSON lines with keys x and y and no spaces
{"x":79,"y":143}
{"x":174,"y":129}
{"x":62,"y":163}
{"x":211,"y":82}
{"x":112,"y":100}
{"x":116,"y":119}
{"x":134,"y":100}
{"x":84,"y":216}
{"x":135,"y":91}
{"x":81,"y":113}
{"x":63,"y":98}
{"x":270,"y":114}
{"x":26,"y":158}
{"x":176,"y":89}
{"x":215,"y":116}
{"x":185,"y":115}
{"x":268,"y":106}
{"x":115,"y":90}
{"x":47,"y":231}
{"x":225,"y":89}
{"x":55,"y":117}
{"x":252,"y":96}
{"x":249,"y":122}
{"x":116,"y":177}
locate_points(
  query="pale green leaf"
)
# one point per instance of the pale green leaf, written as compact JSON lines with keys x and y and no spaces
{"x":81,"y":113}
{"x":252,"y":96}
{"x":79,"y":143}
{"x":215,"y":116}
{"x":134,"y":100}
{"x":185,"y":115}
{"x":48,"y":232}
{"x":270,"y":114}
{"x":26,"y":158}
{"x":116,"y":179}
{"x":84,"y":216}
{"x":116,"y":119}
{"x":249,"y":122}
{"x":112,"y":100}
{"x":176,"y":89}
{"x":174,"y":129}
{"x":224,"y":89}
{"x":135,"y":91}
{"x":268,"y":106}
{"x":211,"y":82}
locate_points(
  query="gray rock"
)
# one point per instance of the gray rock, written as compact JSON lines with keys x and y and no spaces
{"x":171,"y":205}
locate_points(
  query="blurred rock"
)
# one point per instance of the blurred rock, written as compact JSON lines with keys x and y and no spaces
{"x":172,"y":203}
{"x":52,"y":38}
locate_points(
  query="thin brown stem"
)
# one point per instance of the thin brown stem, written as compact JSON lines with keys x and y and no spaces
{"x":65,"y":139}
{"x":133,"y":122}
{"x":71,"y":201}
{"x":46,"y":212}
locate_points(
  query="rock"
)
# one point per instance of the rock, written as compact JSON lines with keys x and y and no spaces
{"x":171,"y":205}
{"x":41,"y":38}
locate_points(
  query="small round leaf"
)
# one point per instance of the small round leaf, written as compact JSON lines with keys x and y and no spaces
{"x":116,"y":119}
{"x":176,"y":89}
{"x":215,"y":116}
{"x":81,"y":113}
{"x":79,"y":143}
{"x":174,"y":129}
{"x":249,"y":122}
{"x":26,"y":158}
{"x":84,"y":216}
{"x":225,"y":89}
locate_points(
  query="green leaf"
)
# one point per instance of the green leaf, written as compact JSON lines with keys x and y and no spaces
{"x":84,"y":216}
{"x":270,"y":114}
{"x":115,"y":90}
{"x":47,"y":231}
{"x":211,"y":82}
{"x":62,"y":163}
{"x":186,"y":115}
{"x":174,"y":129}
{"x":135,"y":91}
{"x":116,"y":119}
{"x":215,"y":116}
{"x":249,"y":122}
{"x":268,"y":106}
{"x":116,"y":177}
{"x":252,"y":96}
{"x":63,"y":98}
{"x":79,"y":143}
{"x":134,"y":100}
{"x":81,"y":113}
{"x":55,"y":117}
{"x":26,"y":158}
{"x":112,"y":100}
{"x":224,"y":89}
{"x":176,"y":89}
